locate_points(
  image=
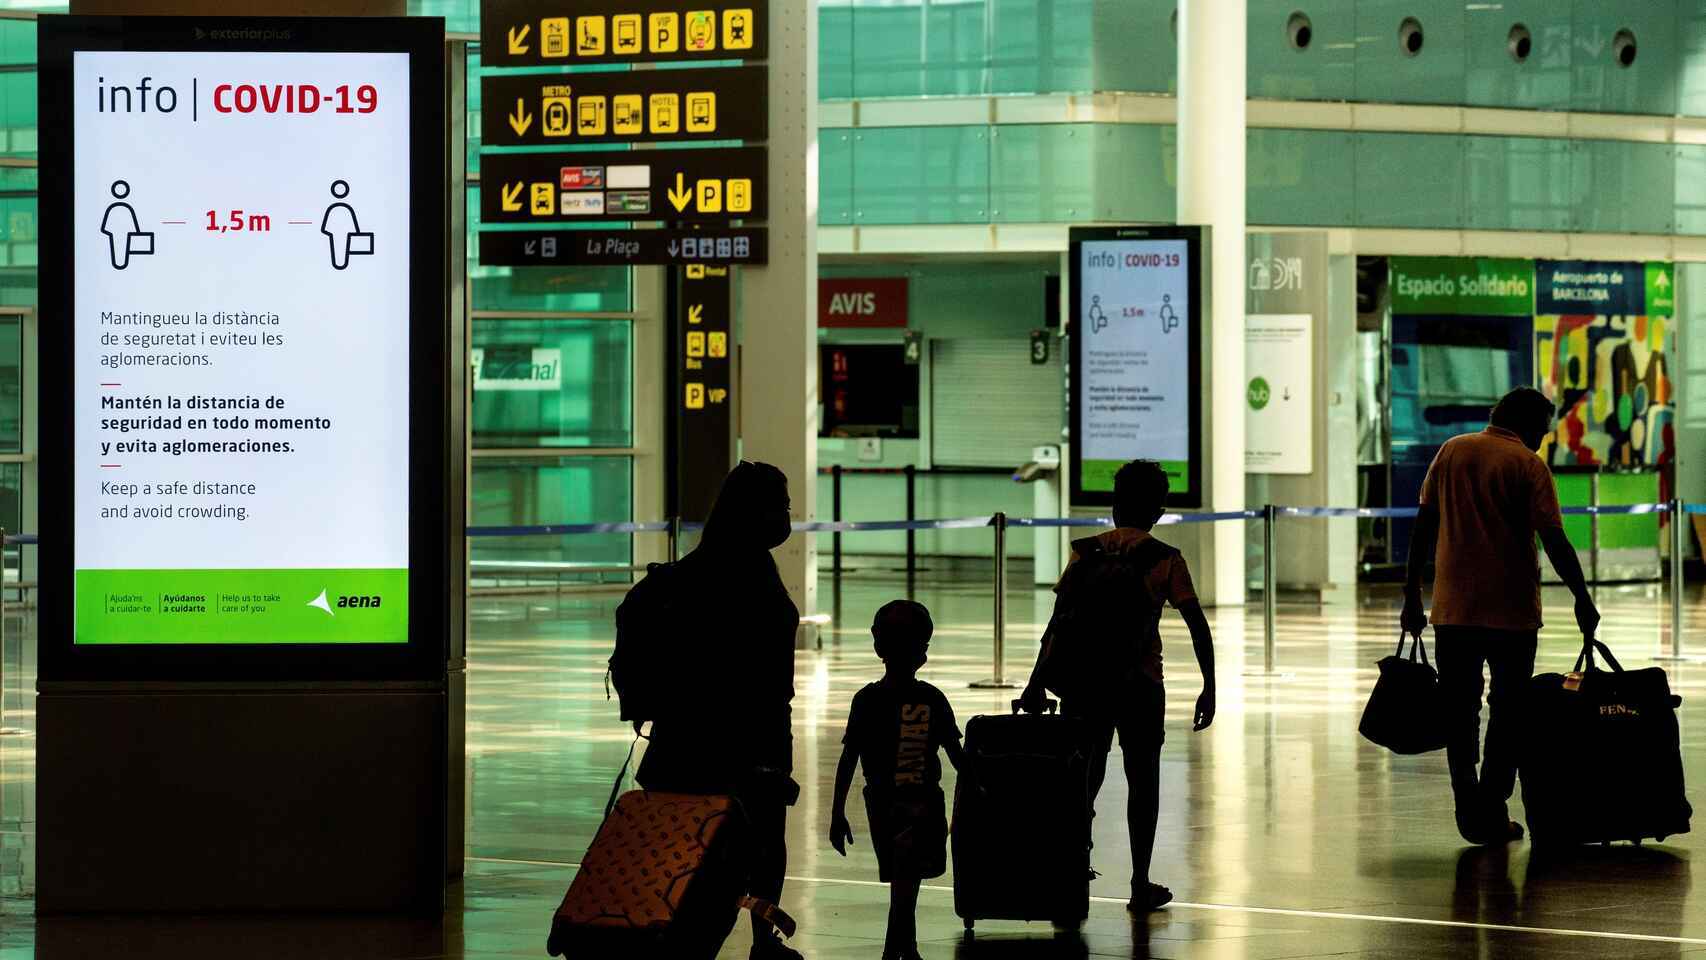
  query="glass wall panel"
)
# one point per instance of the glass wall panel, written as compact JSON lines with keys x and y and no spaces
{"x":921,"y":175}
{"x":535,"y":491}
{"x":1042,"y":173}
{"x":1301,"y":177}
{"x":552,"y":383}
{"x":835,"y":177}
{"x":835,"y":49}
{"x":1323,"y":69}
{"x":1387,"y":71}
{"x":1623,"y":187}
{"x":1541,"y":80}
{"x":1409,"y":180}
{"x":1518,"y":183}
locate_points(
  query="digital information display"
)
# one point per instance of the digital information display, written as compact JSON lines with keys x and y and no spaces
{"x":241,"y":317}
{"x":1136,"y":375}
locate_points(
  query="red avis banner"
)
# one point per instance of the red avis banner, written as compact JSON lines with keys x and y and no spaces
{"x":862,"y":302}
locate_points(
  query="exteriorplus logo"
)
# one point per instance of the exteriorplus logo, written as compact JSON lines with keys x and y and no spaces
{"x":357,"y":602}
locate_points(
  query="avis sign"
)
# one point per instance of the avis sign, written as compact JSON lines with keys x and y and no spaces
{"x":863,"y":302}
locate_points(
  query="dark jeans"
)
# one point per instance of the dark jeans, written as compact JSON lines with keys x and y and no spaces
{"x":1463,"y":655}
{"x":1140,"y":721}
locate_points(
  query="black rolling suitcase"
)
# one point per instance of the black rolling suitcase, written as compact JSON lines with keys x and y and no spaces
{"x":1602,"y":759}
{"x":1021,"y":837}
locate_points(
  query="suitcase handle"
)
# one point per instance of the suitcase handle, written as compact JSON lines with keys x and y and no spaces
{"x":1589,"y":645}
{"x":1049,"y":705}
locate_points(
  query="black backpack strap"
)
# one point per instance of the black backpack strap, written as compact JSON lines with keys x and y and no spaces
{"x":616,"y":788}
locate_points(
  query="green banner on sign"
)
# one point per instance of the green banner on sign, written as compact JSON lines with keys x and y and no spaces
{"x":1463,"y":286}
{"x":1661,"y":290}
{"x":242,"y":606}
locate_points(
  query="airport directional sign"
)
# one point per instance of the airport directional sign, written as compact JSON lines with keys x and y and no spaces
{"x":533,"y":33}
{"x":693,"y":185}
{"x":620,"y":247}
{"x":703,"y":103}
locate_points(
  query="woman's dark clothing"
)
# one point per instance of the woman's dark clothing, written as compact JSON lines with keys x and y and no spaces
{"x":732,"y":731}
{"x":734,"y":722}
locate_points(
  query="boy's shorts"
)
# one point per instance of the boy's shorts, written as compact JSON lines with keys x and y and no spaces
{"x":909,"y":832}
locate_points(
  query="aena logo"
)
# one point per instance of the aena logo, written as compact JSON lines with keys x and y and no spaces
{"x":853,"y":304}
{"x":344,"y":603}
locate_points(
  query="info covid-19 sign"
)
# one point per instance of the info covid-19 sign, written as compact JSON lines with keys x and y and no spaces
{"x":241,"y":317}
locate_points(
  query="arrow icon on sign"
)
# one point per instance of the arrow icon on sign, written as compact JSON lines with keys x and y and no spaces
{"x":512,"y":198}
{"x":680,"y":197}
{"x":674,"y":248}
{"x":531,"y":247}
{"x":1661,"y":281}
{"x":518,"y":41}
{"x":520,"y":120}
{"x":696,"y":314}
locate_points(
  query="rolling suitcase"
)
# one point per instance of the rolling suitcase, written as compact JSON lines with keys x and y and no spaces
{"x":1021,"y":836}
{"x":664,"y":879}
{"x":1602,"y":759}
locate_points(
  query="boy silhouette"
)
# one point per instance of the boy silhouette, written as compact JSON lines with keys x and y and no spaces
{"x":894,"y":729}
{"x":1102,"y":655}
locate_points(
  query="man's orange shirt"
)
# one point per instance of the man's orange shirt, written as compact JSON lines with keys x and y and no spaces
{"x":1493,"y":495}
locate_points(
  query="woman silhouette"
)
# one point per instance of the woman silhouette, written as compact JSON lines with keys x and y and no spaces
{"x":730,"y":731}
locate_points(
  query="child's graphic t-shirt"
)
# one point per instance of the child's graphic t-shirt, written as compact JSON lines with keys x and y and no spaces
{"x":897,"y":731}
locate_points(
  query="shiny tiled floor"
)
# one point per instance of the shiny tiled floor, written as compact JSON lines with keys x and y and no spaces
{"x":1283,"y":833}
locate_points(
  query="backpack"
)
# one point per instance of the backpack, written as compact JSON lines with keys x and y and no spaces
{"x":644,"y":668}
{"x":1102,"y":617}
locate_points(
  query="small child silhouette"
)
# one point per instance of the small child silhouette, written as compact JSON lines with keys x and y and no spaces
{"x":894,"y":729}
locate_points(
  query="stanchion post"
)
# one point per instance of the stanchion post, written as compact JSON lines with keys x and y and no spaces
{"x":1270,"y":579}
{"x":999,"y":681}
{"x":674,"y":539}
{"x":1677,"y":540}
{"x":911,"y":516}
{"x":835,"y":501}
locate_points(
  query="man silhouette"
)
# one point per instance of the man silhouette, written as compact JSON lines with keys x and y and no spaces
{"x":1486,"y":497}
{"x":343,"y":231}
{"x":125,"y":236}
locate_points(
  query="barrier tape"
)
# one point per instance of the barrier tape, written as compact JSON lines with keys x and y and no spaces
{"x":1013,"y":523}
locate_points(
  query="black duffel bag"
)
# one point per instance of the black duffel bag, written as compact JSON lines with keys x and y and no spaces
{"x":1403,"y":713}
{"x":1602,"y":757}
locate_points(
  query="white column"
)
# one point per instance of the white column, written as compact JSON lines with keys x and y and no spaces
{"x":778,"y":303}
{"x":1211,"y":193}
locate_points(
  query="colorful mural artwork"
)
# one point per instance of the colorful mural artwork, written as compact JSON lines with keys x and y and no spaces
{"x":1601,"y":331}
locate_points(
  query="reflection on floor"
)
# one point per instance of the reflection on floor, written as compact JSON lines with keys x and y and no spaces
{"x":1283,"y":833}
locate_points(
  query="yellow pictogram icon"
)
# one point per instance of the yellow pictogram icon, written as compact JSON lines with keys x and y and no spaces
{"x":679,"y":195}
{"x":740,"y":195}
{"x":630,"y":113}
{"x":663,"y":30}
{"x":589,"y":36}
{"x":625,"y":34}
{"x":666,"y":112}
{"x":544,"y":199}
{"x":701,"y":112}
{"x":710,"y":196}
{"x":520,"y":120}
{"x":701,"y":30}
{"x":718,"y":348}
{"x":696,"y":343}
{"x":554,"y":37}
{"x":695,"y":271}
{"x":695,"y":313}
{"x":737,"y":29}
{"x":719,"y":394}
{"x":556,"y":112}
{"x":590,"y":116}
{"x":511,"y":197}
{"x":518,"y":39}
{"x":695,"y":396}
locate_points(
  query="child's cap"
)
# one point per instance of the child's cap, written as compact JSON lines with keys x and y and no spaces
{"x":901,"y":622}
